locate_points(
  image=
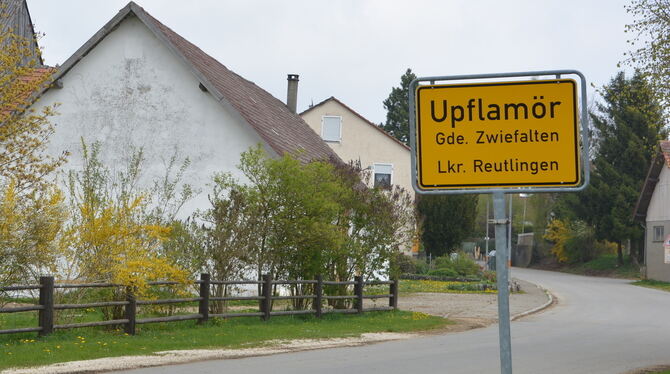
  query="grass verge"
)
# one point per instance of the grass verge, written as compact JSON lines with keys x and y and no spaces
{"x":603,"y":266}
{"x":23,"y":350}
{"x":607,"y":266}
{"x":664,"y":286}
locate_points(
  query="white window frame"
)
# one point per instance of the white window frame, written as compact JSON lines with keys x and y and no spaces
{"x":374,"y":171}
{"x":658,"y":238}
{"x":323,"y":122}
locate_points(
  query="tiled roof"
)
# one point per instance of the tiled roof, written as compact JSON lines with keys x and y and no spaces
{"x":333,"y":98}
{"x":27,"y":84}
{"x":280,"y":129}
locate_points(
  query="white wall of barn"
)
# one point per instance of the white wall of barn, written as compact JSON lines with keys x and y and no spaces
{"x":131,"y":91}
{"x":659,"y":205}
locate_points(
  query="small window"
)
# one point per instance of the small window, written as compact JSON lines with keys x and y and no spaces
{"x":331,"y":128}
{"x":658,"y":233}
{"x":383,"y":175}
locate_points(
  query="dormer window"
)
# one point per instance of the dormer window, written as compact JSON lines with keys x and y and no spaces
{"x":331,"y":128}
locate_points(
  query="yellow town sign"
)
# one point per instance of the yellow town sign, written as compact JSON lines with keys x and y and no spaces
{"x":501,"y":134}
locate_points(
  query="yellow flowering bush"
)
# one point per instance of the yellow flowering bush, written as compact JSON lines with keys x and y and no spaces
{"x":30,"y":225}
{"x":110,"y":244}
{"x":558,"y":232}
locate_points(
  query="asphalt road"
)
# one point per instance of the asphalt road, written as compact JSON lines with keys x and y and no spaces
{"x":599,"y":326}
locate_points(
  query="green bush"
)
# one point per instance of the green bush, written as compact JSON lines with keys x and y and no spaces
{"x":421,"y":267}
{"x":443,"y":273}
{"x":404,"y":264}
{"x":461,"y":265}
{"x":581,"y":245}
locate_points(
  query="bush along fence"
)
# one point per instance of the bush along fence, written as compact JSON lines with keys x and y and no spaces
{"x":46,"y":307}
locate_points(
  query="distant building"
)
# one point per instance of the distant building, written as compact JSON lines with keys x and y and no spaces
{"x":354,"y":138}
{"x":653,"y":210}
{"x":137,"y":83}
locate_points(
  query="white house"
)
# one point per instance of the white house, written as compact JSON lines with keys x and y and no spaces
{"x":354,"y":138}
{"x":653,"y":210}
{"x":136,"y":83}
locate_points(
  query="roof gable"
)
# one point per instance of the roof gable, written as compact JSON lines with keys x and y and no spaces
{"x":365,"y":120}
{"x":661,"y":159}
{"x":282,"y":130}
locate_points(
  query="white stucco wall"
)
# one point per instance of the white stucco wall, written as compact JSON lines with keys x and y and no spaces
{"x":132,"y":91}
{"x":659,"y":205}
{"x":360,"y":141}
{"x":658,"y":214}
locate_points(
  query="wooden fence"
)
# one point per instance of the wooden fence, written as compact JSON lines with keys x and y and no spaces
{"x":46,"y":307}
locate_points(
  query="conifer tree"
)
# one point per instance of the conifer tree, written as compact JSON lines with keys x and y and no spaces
{"x":626,"y":129}
{"x":397,"y":114}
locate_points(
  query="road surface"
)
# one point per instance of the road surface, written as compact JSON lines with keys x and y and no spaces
{"x":600,"y":326}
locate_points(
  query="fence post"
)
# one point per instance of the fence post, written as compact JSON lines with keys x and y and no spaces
{"x":318,"y":291}
{"x":393,"y":300}
{"x":358,"y":290}
{"x":267,"y":294}
{"x":203,"y":305}
{"x":131,"y":312}
{"x":46,"y":315}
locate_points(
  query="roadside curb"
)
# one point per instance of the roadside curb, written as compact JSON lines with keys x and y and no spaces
{"x":551,"y":300}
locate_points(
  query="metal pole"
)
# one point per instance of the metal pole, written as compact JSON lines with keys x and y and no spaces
{"x":509,"y":233}
{"x":487,"y":227}
{"x":503,"y":285}
{"x":523,"y":227}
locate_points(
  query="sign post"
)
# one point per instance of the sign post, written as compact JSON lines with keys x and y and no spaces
{"x":499,"y":137}
{"x":666,"y":247}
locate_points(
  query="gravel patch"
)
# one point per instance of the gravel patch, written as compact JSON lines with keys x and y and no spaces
{"x":477,"y":306}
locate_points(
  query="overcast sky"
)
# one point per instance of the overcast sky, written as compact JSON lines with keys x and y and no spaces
{"x":357,"y":50}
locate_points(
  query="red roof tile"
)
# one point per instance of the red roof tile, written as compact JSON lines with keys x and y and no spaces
{"x":27,"y":85}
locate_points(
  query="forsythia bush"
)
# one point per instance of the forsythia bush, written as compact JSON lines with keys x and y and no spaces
{"x":558,"y":232}
{"x":574,"y":241}
{"x":29,"y":232}
{"x":110,"y":243}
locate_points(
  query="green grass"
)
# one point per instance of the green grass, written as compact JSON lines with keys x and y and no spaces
{"x":665,"y":286}
{"x":20,"y":350}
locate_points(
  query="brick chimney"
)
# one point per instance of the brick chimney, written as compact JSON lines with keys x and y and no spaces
{"x":292,"y":92}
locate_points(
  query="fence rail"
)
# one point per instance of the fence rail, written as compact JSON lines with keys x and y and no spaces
{"x":46,"y":307}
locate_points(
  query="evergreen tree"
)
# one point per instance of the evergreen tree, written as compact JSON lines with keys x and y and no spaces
{"x":446,"y":221}
{"x":397,"y":113}
{"x":626,"y":129}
